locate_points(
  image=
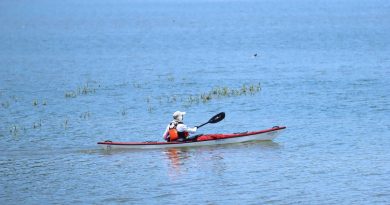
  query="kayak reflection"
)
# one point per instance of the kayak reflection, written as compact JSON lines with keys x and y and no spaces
{"x":176,"y":157}
{"x":181,"y":157}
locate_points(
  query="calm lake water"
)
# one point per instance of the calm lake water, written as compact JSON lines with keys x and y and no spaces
{"x":73,"y":73}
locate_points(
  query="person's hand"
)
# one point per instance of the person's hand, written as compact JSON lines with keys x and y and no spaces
{"x":195,"y":128}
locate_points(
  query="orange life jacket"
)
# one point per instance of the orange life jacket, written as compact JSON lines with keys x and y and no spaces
{"x":174,"y":134}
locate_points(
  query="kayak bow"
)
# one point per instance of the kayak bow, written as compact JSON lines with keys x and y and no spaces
{"x":202,"y":140}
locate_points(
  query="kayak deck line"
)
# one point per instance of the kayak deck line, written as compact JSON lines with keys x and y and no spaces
{"x":204,"y":139}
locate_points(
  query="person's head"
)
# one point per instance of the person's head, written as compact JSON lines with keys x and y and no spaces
{"x":178,"y":116}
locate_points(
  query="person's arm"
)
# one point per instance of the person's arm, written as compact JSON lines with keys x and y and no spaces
{"x":185,"y":128}
{"x":166,"y":133}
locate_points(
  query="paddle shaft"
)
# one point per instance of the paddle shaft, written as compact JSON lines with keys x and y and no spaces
{"x":214,"y":119}
{"x":202,"y":125}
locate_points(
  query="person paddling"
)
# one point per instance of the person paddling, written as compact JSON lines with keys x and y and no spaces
{"x":177,"y":130}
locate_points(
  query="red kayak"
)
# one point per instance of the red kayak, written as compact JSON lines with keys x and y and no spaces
{"x":200,"y":140}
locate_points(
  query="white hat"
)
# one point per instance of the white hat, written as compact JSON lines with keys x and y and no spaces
{"x":177,"y":114}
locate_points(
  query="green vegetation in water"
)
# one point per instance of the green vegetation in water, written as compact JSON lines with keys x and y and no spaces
{"x":150,"y":109}
{"x":215,"y":93}
{"x":36,"y":103}
{"x":171,"y":99}
{"x":137,"y":85}
{"x":66,"y":122}
{"x":124,"y":111}
{"x":220,"y":92}
{"x":70,"y":94}
{"x":5,"y":104}
{"x":85,"y":115}
{"x":37,"y":124}
{"x":14,"y":98}
{"x":148,"y":99}
{"x":123,"y":84}
{"x":15,"y":130}
{"x":86,"y":89}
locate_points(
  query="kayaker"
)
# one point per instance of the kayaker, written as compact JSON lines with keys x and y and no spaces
{"x":177,"y":130}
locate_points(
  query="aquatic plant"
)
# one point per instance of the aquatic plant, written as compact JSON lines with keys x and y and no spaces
{"x":124,"y":111}
{"x":193,"y":99}
{"x":123,"y":84}
{"x":14,"y":130}
{"x":171,"y":99}
{"x":86,"y":89}
{"x":206,"y":97}
{"x":36,"y":102}
{"x":152,"y":102}
{"x":150,"y":108}
{"x":220,"y":92}
{"x":160,"y":99}
{"x":149,"y":105}
{"x":66,"y":123}
{"x":37,"y":124}
{"x":254,"y":88}
{"x":70,"y":94}
{"x":243,"y":89}
{"x":5,"y":104}
{"x":85,"y":115}
{"x":13,"y":97}
{"x":137,"y":85}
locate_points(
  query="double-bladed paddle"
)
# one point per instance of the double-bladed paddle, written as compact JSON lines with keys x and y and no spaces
{"x":217,"y":118}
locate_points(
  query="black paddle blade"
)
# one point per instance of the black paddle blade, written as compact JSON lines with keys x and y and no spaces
{"x":217,"y":118}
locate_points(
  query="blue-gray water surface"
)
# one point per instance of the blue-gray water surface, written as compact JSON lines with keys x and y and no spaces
{"x":73,"y":73}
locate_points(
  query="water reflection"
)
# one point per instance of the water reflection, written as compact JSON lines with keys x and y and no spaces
{"x":210,"y":157}
{"x":263,"y":144}
{"x":177,"y":157}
